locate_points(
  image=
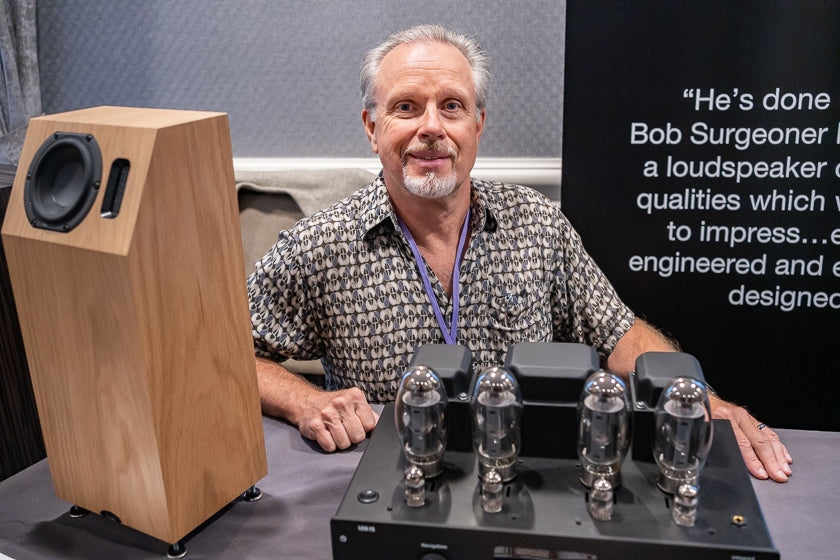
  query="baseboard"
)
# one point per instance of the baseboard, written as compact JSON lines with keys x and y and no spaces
{"x":543,"y":174}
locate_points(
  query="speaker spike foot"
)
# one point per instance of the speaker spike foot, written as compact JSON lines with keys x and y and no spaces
{"x":77,"y":512}
{"x":252,"y":494}
{"x":176,"y":550}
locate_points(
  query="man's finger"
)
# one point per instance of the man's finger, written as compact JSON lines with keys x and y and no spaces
{"x":367,"y":416}
{"x":751,"y":460}
{"x":338,"y":432}
{"x":770,"y":452}
{"x":354,"y":427}
{"x":320,"y":434}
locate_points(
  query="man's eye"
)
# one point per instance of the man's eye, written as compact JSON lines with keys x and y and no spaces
{"x":452,"y":106}
{"x":404,"y":107}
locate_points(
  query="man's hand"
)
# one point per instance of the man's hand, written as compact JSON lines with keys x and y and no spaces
{"x":763,"y":452}
{"x":336,"y":419}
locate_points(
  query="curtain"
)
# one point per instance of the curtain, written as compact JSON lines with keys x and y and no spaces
{"x":20,"y":90}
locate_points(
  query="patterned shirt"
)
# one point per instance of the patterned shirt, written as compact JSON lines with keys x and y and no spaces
{"x":342,"y":285}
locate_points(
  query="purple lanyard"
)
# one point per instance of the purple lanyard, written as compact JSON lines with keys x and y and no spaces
{"x":449,"y":335}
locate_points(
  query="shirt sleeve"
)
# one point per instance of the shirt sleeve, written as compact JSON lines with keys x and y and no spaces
{"x":281,"y":323}
{"x":587,"y":308}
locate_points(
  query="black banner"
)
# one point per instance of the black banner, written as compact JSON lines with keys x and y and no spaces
{"x":701,"y":165}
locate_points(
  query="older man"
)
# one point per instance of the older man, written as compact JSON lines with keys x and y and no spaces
{"x":426,"y":255}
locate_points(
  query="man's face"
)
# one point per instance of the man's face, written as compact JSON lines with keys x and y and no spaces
{"x":426,"y":130}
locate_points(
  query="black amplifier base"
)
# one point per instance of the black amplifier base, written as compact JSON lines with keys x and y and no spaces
{"x":545,"y":513}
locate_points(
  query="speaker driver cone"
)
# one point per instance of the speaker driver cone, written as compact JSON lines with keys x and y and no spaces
{"x":63,"y":181}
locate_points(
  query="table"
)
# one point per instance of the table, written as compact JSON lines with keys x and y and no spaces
{"x":304,"y":487}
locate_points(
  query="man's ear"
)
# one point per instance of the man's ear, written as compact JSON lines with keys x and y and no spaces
{"x":370,"y":125}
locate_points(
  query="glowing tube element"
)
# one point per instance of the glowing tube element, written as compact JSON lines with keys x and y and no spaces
{"x":419,"y":415}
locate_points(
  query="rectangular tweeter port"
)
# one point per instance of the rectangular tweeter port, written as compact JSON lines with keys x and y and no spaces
{"x":117,"y":179}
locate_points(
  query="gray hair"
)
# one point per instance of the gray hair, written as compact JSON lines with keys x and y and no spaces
{"x":425,"y":34}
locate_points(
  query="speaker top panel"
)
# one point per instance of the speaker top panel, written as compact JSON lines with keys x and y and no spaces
{"x":133,"y":117}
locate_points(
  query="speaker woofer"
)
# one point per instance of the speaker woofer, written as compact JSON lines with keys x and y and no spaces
{"x":62,"y":181}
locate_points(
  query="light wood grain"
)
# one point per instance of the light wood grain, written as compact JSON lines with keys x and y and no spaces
{"x":136,"y":328}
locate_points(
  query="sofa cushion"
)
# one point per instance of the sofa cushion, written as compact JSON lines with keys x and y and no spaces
{"x":271,"y":201}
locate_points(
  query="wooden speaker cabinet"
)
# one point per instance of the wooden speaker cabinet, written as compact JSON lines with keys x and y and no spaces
{"x":123,"y":245}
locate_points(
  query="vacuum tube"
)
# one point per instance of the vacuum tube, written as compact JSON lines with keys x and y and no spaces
{"x":415,"y":487}
{"x":683,"y":433}
{"x":601,"y":500}
{"x":603,"y":428}
{"x":492,"y":492}
{"x":497,"y":413}
{"x":684,"y":509}
{"x":419,"y":415}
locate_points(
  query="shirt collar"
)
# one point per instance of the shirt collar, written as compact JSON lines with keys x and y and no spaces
{"x":378,"y":208}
